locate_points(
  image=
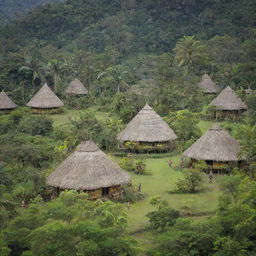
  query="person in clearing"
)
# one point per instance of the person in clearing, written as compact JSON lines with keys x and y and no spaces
{"x":210,"y":176}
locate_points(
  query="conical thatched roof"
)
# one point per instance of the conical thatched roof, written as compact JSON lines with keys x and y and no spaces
{"x":6,"y":102}
{"x":76,"y":87}
{"x":88,"y":168}
{"x":207,"y":85}
{"x":216,"y":144}
{"x":45,"y":98}
{"x":147,"y":126}
{"x":228,"y":100}
{"x":248,"y":90}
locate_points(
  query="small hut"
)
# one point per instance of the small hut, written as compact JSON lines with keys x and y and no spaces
{"x":147,"y":131}
{"x":216,"y":147}
{"x":6,"y":104}
{"x":76,"y":88}
{"x":207,"y":85}
{"x":228,"y":104}
{"x":89,"y":169}
{"x":45,"y":100}
{"x":248,"y":90}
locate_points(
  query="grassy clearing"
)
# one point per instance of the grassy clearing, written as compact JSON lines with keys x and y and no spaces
{"x":63,"y":119}
{"x":159,"y":183}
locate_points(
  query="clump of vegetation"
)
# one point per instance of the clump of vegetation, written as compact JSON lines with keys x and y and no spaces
{"x":129,"y":164}
{"x":131,"y":194}
{"x":184,"y":124}
{"x":69,"y":225}
{"x":191,"y":182}
{"x":164,"y":217}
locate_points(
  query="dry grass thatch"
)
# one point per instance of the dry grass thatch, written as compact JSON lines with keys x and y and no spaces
{"x":207,"y":85}
{"x":147,"y":126}
{"x":248,"y":90}
{"x":45,"y":98}
{"x":6,"y":102}
{"x":228,"y":100}
{"x":88,"y":168}
{"x":76,"y":87}
{"x":216,"y":144}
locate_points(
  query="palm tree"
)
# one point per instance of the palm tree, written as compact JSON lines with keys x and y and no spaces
{"x":247,"y":138}
{"x":117,"y":75}
{"x":56,"y":68}
{"x":188,"y":51}
{"x":31,"y":65}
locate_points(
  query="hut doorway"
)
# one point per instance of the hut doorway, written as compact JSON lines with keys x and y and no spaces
{"x":105,"y":191}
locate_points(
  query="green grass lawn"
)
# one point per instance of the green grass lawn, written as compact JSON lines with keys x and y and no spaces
{"x":159,"y":183}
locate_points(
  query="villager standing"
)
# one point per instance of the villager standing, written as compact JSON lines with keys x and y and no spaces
{"x":210,"y":175}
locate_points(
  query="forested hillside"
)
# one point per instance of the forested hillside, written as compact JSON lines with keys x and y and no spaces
{"x":12,"y":9}
{"x":163,"y":91}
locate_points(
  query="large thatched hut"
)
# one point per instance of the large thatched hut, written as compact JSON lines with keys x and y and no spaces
{"x":6,"y":104}
{"x":89,"y":169}
{"x":76,"y":88}
{"x":216,"y":147}
{"x":228,"y":104}
{"x":147,"y":131}
{"x":45,"y":100}
{"x":207,"y":85}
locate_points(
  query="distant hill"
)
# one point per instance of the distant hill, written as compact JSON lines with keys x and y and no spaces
{"x":12,"y":9}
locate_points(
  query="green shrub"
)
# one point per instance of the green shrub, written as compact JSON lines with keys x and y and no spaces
{"x":191,"y":182}
{"x":127,"y":164}
{"x":140,"y":167}
{"x":131,"y":194}
{"x":163,"y":218}
{"x":36,"y":125}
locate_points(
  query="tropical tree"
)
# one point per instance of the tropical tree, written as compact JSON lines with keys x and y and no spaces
{"x":247,"y":138}
{"x":33,"y":67}
{"x":117,"y":74}
{"x":188,"y":51}
{"x":56,"y":69}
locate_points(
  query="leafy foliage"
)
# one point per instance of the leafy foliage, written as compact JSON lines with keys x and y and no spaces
{"x":70,"y":225}
{"x":191,"y":183}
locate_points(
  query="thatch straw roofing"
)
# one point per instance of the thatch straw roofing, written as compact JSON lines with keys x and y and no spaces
{"x":45,"y":98}
{"x":207,"y":85}
{"x":76,"y":87}
{"x":216,"y":144}
{"x":147,"y":126}
{"x":88,"y":168}
{"x":248,"y":90}
{"x":6,"y":102}
{"x":228,"y":100}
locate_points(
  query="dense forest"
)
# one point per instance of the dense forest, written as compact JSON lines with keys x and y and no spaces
{"x":13,"y":9}
{"x":127,"y":53}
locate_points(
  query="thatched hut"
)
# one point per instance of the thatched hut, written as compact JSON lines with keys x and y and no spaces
{"x":147,"y":131}
{"x":228,"y":104}
{"x":76,"y":88}
{"x":89,"y":169}
{"x":216,"y":147}
{"x":45,"y":100}
{"x":207,"y":85}
{"x":248,"y":90}
{"x":6,"y":104}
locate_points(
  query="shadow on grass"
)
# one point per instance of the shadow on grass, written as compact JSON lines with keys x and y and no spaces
{"x":175,"y":192}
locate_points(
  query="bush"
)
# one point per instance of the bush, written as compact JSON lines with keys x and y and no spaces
{"x":131,"y":194}
{"x":140,"y":167}
{"x":127,"y":164}
{"x":163,"y":218}
{"x":201,"y":166}
{"x":36,"y":125}
{"x":191,"y":183}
